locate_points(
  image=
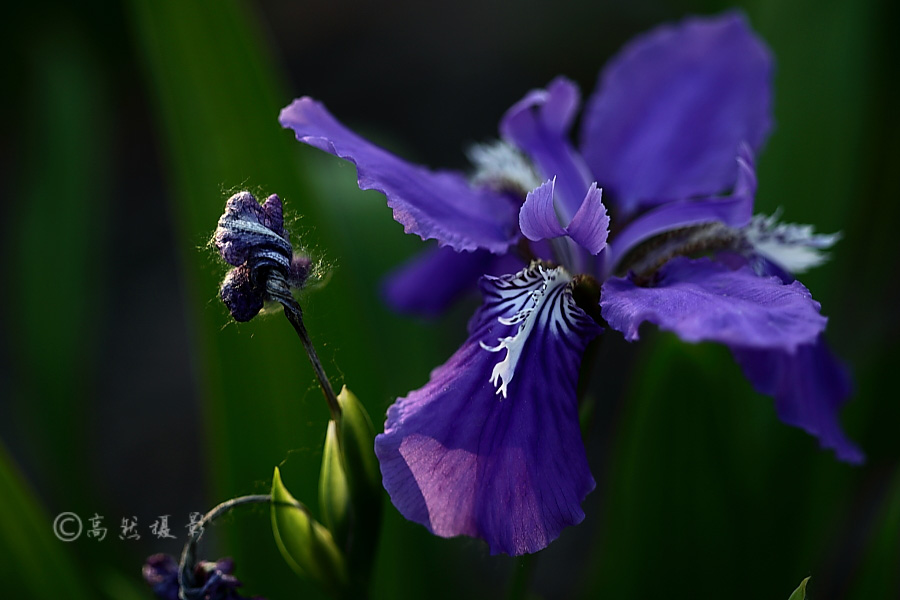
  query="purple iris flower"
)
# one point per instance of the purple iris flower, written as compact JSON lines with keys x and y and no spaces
{"x":490,"y":447}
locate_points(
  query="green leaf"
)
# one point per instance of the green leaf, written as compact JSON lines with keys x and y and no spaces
{"x":878,"y":571}
{"x":800,"y":592}
{"x":35,"y":564}
{"x":305,"y":544}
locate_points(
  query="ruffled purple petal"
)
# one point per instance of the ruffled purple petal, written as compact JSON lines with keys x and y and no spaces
{"x":490,"y":447}
{"x":430,"y":282}
{"x":537,"y":217}
{"x":539,"y":126}
{"x":437,"y":205}
{"x":735,"y":211}
{"x":700,"y":300}
{"x":671,"y":109}
{"x":809,"y":387}
{"x":590,"y":225}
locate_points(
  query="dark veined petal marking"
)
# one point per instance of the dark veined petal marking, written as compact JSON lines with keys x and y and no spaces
{"x":490,"y":447}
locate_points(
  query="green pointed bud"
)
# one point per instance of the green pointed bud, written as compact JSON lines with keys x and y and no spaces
{"x":305,"y":544}
{"x":800,"y":592}
{"x":350,"y":493}
{"x":357,"y":439}
{"x":334,"y":493}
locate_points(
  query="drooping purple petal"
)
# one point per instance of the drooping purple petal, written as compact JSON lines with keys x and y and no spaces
{"x":672,"y":107}
{"x":735,"y":210}
{"x":590,"y":225}
{"x":490,"y":447}
{"x":539,"y":125}
{"x":537,"y":217}
{"x":243,"y":296}
{"x":809,"y":388}
{"x":700,"y":300}
{"x":437,"y":205}
{"x":430,"y":282}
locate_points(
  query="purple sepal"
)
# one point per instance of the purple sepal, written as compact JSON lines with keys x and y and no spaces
{"x":672,"y":107}
{"x":491,"y":448}
{"x":209,"y":580}
{"x":809,"y":387}
{"x":437,"y":205}
{"x":700,"y":300}
{"x":431,"y":281}
{"x":539,"y":125}
{"x":734,"y":210}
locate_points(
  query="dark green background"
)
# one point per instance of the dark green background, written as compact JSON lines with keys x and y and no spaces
{"x":126,"y":391}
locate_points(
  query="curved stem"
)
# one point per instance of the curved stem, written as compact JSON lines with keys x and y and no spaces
{"x":279,"y":290}
{"x":189,"y":554}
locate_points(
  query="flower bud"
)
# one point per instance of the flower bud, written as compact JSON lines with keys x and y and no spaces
{"x":350,"y":485}
{"x":305,"y":544}
{"x":334,"y":493}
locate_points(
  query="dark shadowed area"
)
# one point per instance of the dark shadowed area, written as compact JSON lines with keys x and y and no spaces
{"x":127,"y":392}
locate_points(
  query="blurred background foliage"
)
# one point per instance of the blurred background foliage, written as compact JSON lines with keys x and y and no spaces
{"x":125,"y":391}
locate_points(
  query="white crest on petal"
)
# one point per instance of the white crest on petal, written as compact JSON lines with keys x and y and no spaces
{"x":501,"y":166}
{"x":795,"y":248}
{"x":536,"y":296}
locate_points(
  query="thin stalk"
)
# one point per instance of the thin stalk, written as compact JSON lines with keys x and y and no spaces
{"x":189,"y":554}
{"x":279,"y":290}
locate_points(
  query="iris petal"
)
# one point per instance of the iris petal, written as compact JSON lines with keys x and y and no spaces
{"x":539,"y":126}
{"x":437,"y":205}
{"x":735,"y":210}
{"x":809,"y":388}
{"x":671,"y":109}
{"x":537,"y":217}
{"x":431,"y":281}
{"x":490,"y":447}
{"x":590,"y":225}
{"x":701,"y":300}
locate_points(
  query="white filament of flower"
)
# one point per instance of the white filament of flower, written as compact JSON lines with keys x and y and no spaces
{"x":501,"y":165}
{"x":795,"y":248}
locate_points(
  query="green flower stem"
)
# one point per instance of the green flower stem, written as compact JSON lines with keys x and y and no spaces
{"x":189,"y":554}
{"x":279,"y":290}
